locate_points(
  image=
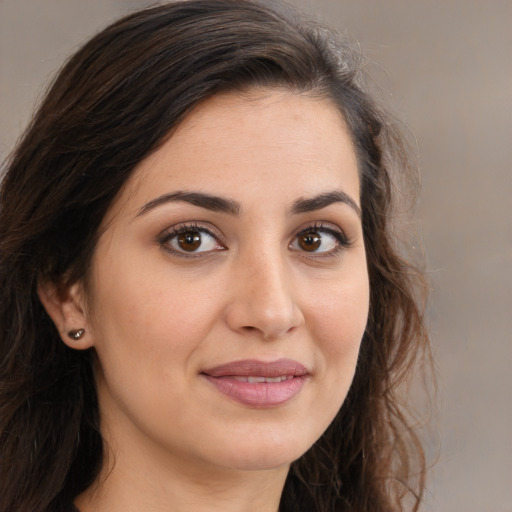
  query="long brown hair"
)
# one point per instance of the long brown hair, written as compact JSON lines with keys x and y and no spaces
{"x":113,"y":103}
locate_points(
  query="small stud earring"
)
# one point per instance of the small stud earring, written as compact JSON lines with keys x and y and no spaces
{"x":76,"y":334}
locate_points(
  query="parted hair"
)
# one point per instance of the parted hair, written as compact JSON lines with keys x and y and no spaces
{"x":115,"y":101}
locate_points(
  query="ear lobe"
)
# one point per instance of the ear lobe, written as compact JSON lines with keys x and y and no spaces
{"x":66,"y":307}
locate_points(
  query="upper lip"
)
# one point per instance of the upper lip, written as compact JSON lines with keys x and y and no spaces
{"x":257,"y":368}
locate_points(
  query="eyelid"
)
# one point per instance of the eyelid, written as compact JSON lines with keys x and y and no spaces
{"x":343,"y":242}
{"x":182,"y":227}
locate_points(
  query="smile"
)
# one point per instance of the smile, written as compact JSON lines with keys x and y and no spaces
{"x":254,"y":380}
{"x":259,"y":384}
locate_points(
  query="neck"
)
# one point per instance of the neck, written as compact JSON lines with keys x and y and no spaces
{"x":159,"y":486}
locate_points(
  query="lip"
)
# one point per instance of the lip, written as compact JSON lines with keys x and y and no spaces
{"x":232,"y":380}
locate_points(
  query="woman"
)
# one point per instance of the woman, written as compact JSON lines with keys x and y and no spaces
{"x":201,"y":304}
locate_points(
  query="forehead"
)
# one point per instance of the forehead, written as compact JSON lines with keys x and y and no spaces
{"x":255,"y":144}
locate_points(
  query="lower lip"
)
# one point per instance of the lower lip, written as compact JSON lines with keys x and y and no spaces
{"x":258,"y":394}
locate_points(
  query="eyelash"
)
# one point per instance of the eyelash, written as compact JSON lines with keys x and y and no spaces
{"x":180,"y":229}
{"x":342,"y":242}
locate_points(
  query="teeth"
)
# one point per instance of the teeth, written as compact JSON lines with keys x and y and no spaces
{"x":253,"y":380}
{"x":275,"y":379}
{"x":256,"y":380}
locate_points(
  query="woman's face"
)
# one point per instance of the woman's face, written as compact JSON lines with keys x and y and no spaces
{"x":229,"y":291}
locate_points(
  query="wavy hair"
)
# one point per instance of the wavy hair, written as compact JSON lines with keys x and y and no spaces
{"x":112,"y":104}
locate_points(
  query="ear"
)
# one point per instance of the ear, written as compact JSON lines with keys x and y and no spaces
{"x":66,"y":306}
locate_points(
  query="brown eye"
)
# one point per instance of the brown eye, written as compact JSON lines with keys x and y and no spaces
{"x":319,"y":241}
{"x":192,"y":241}
{"x":309,"y":241}
{"x":189,"y":241}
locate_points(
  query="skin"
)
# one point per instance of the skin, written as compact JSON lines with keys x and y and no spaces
{"x":158,"y":316}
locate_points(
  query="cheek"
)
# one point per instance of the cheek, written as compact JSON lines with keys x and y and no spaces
{"x":341,"y":311}
{"x":153,"y":316}
{"x":340,"y":317}
{"x":148,"y":331}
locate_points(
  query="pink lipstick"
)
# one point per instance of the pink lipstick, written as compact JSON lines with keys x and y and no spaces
{"x":258,"y":383}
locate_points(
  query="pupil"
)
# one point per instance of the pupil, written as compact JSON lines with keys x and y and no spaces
{"x":189,"y":241}
{"x":310,"y":241}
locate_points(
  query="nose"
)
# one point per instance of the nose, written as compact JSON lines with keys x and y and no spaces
{"x":263,"y":299}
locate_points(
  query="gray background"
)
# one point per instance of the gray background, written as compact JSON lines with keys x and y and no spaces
{"x":446,"y":70}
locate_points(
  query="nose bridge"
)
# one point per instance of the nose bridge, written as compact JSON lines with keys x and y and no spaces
{"x":264,"y":298}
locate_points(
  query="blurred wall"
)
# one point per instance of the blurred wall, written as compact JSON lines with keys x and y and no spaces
{"x":448,"y":68}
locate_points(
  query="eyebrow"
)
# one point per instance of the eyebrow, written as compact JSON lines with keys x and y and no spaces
{"x":213,"y":203}
{"x":222,"y":205}
{"x":323,"y":200}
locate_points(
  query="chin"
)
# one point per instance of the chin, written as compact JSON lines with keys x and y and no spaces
{"x":265,"y":451}
{"x":260,"y":461}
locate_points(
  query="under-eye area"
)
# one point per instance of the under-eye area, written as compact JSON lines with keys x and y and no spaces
{"x":320,"y":240}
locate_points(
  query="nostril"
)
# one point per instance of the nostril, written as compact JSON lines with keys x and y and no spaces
{"x":263,"y":318}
